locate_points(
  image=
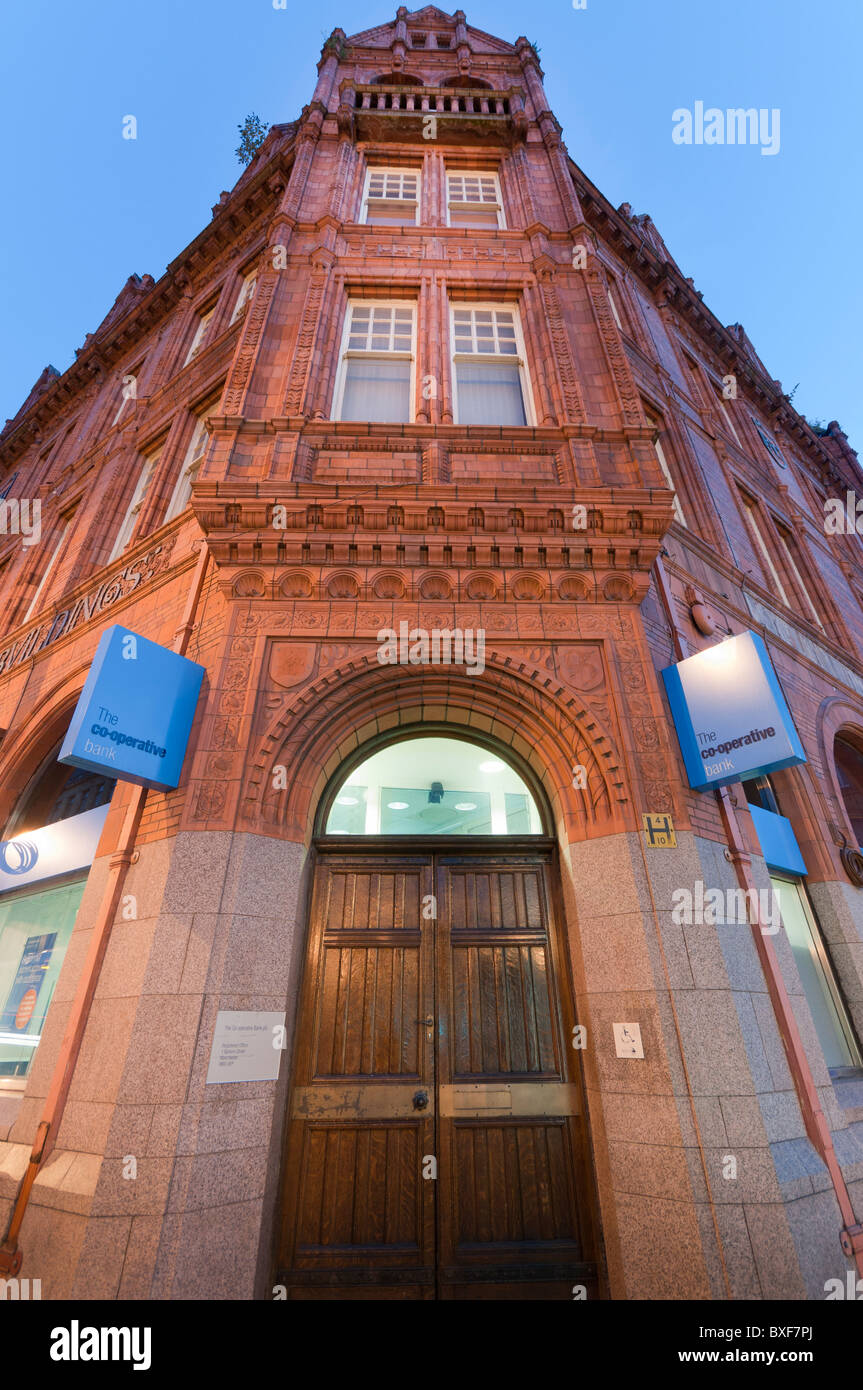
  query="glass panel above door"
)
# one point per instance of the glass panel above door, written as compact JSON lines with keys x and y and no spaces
{"x":434,"y":786}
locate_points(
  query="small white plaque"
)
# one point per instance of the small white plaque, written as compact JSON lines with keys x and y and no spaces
{"x":627,"y":1039}
{"x":247,"y":1046}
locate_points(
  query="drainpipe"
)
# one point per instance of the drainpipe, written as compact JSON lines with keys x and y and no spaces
{"x":814,"y":1119}
{"x":11,"y":1253}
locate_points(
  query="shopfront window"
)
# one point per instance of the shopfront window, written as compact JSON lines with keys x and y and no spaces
{"x":34,"y":932}
{"x":433,"y":786}
{"x":829,"y":1014}
{"x":47,"y":847}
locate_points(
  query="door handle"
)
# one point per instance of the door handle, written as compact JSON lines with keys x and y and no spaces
{"x":420,"y":1100}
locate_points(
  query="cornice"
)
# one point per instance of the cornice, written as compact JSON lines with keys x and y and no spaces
{"x":342,"y":545}
{"x":246,"y":203}
{"x":663,"y":279}
{"x":742,"y":580}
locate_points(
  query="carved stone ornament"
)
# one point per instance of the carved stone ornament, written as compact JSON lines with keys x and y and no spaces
{"x":852,"y":863}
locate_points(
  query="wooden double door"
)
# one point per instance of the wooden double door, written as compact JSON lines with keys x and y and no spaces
{"x":436,"y":1143}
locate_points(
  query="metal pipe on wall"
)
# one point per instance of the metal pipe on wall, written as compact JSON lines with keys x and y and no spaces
{"x":11,"y":1254}
{"x":814,"y":1119}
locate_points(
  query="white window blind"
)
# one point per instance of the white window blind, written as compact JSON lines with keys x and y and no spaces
{"x":391,"y":197}
{"x":127,"y":526}
{"x":761,"y":545}
{"x":473,"y":200}
{"x":191,"y":463}
{"x":247,"y":289}
{"x":128,"y":391}
{"x":49,"y":569}
{"x":200,"y":335}
{"x":376,"y":371}
{"x":792,"y":565}
{"x":666,"y":473}
{"x":489,"y":368}
{"x":727,"y":417}
{"x":769,"y":442}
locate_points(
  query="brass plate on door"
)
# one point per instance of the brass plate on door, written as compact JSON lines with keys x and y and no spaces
{"x":372,"y":1101}
{"x":479,"y":1100}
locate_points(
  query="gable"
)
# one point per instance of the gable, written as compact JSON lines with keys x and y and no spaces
{"x":429,"y":17}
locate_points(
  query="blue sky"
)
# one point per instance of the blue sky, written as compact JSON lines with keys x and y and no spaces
{"x":771,"y":241}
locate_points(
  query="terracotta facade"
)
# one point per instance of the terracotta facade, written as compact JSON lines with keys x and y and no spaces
{"x":443,"y":525}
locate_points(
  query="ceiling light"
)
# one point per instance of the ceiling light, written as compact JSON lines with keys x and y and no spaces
{"x":346,"y":801}
{"x":492,"y":766}
{"x":465,"y":806}
{"x":397,"y":805}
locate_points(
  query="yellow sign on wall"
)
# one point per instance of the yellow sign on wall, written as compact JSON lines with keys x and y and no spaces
{"x":659,"y":829}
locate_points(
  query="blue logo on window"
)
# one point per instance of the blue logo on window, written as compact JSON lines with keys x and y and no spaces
{"x":17,"y":856}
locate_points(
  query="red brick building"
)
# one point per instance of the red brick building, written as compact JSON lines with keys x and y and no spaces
{"x":417,"y":383}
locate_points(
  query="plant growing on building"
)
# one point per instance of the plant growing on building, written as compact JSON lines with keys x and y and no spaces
{"x":336,"y":44}
{"x":253,"y":133}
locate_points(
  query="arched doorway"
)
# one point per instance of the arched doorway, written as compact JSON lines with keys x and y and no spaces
{"x":436,"y":1143}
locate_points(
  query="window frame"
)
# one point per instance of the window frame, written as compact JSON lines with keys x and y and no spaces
{"x":615,"y":309}
{"x":402,"y":171}
{"x":189,"y":458}
{"x":769,"y":442}
{"x":797,"y":571}
{"x":245,"y":295}
{"x":727,"y":418}
{"x":753,"y":515}
{"x":845,"y":737}
{"x":462,"y":205}
{"x":347,"y":354}
{"x":59,"y":549}
{"x":205,"y":318}
{"x":520,"y":357}
{"x":134,"y":373}
{"x":667,"y":471}
{"x":824,"y":960}
{"x":149,"y":463}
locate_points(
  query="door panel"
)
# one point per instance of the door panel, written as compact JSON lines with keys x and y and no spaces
{"x":358,"y":1218}
{"x":508,"y":1124}
{"x":469,"y":1011}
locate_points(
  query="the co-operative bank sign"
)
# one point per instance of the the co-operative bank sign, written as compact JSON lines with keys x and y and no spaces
{"x":730,"y":714}
{"x":135,"y":712}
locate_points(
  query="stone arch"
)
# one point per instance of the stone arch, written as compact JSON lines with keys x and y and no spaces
{"x":544,"y":730}
{"x":397,"y":79}
{"x":459,"y":80}
{"x":838,"y":715}
{"x":45,"y":725}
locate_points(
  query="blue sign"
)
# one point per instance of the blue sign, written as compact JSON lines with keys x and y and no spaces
{"x":135,"y":712}
{"x":778,"y":841}
{"x":730,"y":714}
